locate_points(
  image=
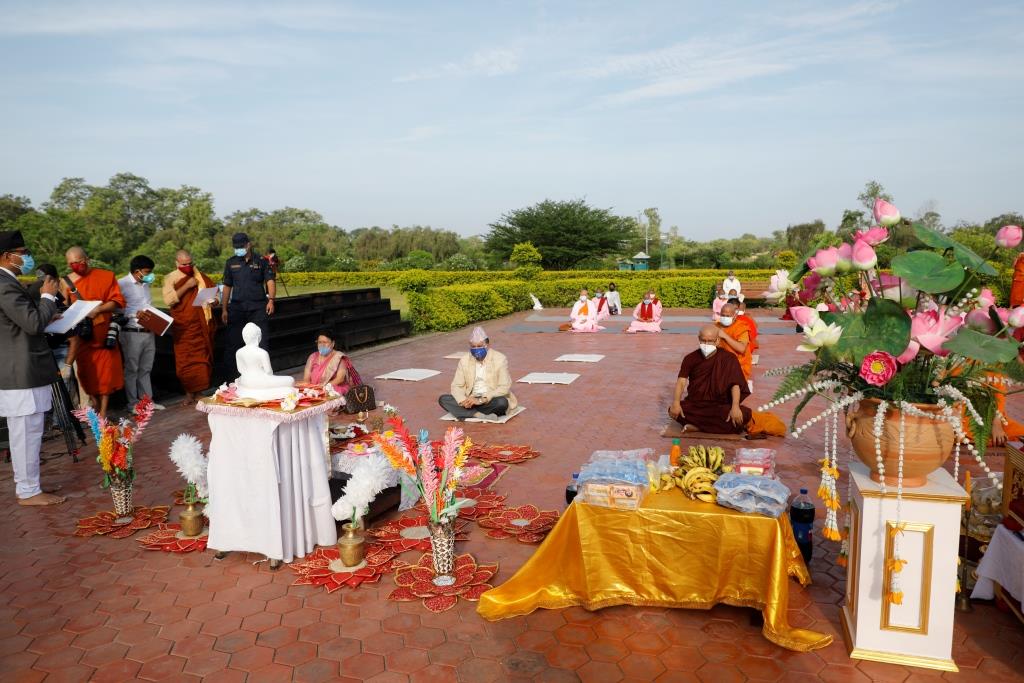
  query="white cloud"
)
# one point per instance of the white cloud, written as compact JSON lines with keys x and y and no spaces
{"x":843,"y":17}
{"x":489,"y":63}
{"x":420,"y":133}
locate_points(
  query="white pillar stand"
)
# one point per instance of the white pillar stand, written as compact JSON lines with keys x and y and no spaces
{"x":918,"y":632}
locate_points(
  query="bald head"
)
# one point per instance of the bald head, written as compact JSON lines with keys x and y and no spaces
{"x":183,"y":258}
{"x":75,"y":254}
{"x":77,"y":260}
{"x":708,"y":334}
{"x":728,"y":311}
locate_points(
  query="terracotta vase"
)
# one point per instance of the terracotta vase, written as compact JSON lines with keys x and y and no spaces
{"x":927,"y":443}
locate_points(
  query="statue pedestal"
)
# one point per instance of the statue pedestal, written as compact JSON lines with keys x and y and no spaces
{"x":918,"y":632}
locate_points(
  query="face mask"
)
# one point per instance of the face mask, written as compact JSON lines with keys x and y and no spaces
{"x":148,"y":279}
{"x":80,"y":268}
{"x":28,"y":263}
{"x":583,"y":297}
{"x":707,"y":349}
{"x":725,"y":320}
{"x":324,"y":350}
{"x":241,"y":252}
{"x":187,"y":270}
{"x":611,"y":289}
{"x":479,"y":353}
{"x":600,"y":295}
{"x":647,"y":301}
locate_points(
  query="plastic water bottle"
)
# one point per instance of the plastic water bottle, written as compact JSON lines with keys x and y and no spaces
{"x":801,"y":515}
{"x":573,"y":488}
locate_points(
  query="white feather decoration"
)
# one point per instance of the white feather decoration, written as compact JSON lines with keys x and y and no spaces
{"x":187,"y":455}
{"x":369,"y":478}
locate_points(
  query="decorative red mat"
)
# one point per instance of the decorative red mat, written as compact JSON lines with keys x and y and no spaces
{"x":411,"y":533}
{"x":316,"y":569}
{"x":491,"y":478}
{"x":485,"y":503}
{"x":179,"y":496}
{"x":503,"y":453}
{"x":525,"y":523}
{"x":166,"y":538}
{"x":107,"y":524}
{"x":419,"y":582}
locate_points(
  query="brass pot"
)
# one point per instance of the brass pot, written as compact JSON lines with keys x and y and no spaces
{"x":351,"y":545}
{"x":191,"y":521}
{"x":927,"y":443}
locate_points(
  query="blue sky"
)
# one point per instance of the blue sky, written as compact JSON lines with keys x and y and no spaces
{"x":729,"y":117}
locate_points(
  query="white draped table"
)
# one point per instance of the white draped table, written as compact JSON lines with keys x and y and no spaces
{"x":268,"y":480}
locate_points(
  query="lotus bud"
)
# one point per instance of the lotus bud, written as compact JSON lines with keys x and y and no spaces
{"x":1009,"y":236}
{"x":885,"y":213}
{"x":864,"y":256}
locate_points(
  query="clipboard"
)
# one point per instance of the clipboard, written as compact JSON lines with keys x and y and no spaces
{"x":154,"y":320}
{"x":75,"y":313}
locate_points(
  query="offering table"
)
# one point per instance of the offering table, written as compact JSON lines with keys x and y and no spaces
{"x":268,"y":480}
{"x":671,"y":552}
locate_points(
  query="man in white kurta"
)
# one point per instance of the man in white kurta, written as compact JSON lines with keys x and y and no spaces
{"x":730,"y":283}
{"x":27,"y":369}
{"x":583,"y":317}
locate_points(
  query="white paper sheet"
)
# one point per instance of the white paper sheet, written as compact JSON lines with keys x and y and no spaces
{"x":204,"y":296}
{"x":456,"y":356}
{"x":549,"y":378}
{"x":448,"y":417}
{"x":75,"y":314}
{"x":163,"y":316}
{"x":410,"y":374}
{"x":580,"y":357}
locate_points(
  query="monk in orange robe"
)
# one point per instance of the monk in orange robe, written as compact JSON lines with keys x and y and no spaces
{"x":734,"y":336}
{"x":99,"y":368}
{"x":194,"y":326}
{"x":1001,"y":433}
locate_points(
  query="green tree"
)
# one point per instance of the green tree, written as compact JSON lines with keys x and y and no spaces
{"x":566,"y":232}
{"x":873,"y":190}
{"x":799,"y":236}
{"x":787,"y":259}
{"x":525,"y":254}
{"x":12,"y":208}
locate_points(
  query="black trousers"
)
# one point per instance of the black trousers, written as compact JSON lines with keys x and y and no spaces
{"x":238,"y":316}
{"x":497,"y":405}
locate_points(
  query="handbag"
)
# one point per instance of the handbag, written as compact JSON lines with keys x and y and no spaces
{"x":359,"y":399}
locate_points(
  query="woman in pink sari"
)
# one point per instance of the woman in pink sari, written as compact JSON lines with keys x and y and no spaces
{"x":327,"y":365}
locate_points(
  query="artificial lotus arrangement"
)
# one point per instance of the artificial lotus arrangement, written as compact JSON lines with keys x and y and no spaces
{"x":116,"y":440}
{"x":434,"y":468}
{"x":187,"y":455}
{"x":925,"y":343}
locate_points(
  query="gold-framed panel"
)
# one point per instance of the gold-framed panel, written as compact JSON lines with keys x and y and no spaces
{"x":853,"y":561}
{"x":1013,"y":481}
{"x":892,"y":657}
{"x":927,"y":553}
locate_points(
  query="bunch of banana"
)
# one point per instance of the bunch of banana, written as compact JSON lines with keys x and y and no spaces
{"x":663,"y":481}
{"x":710,"y":457}
{"x":699,"y":483}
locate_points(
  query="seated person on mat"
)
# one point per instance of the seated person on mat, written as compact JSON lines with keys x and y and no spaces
{"x":601,"y":301}
{"x":646,"y":315}
{"x":482,"y":384}
{"x":734,"y":335}
{"x":583,"y":317}
{"x":715,"y":387}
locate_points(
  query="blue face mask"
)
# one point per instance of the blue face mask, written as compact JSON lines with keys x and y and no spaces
{"x":324,"y":350}
{"x":148,"y":279}
{"x":28,"y":264}
{"x":241,"y":252}
{"x":479,"y":353}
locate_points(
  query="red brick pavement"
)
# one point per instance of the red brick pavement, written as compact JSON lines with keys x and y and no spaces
{"x":106,"y":610}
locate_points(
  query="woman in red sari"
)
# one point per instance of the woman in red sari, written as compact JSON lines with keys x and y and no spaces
{"x":327,"y":365}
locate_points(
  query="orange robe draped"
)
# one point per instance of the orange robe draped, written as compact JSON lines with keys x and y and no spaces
{"x":740,"y":331}
{"x":1013,"y":429}
{"x":1017,"y":288}
{"x":100,"y":370}
{"x":193,"y":330}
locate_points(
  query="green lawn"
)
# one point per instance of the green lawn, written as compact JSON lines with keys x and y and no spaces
{"x":398,"y":299}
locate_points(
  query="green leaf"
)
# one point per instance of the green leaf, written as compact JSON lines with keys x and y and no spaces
{"x":884,"y":326}
{"x":963,"y":254}
{"x":928,"y":271}
{"x":982,"y":347}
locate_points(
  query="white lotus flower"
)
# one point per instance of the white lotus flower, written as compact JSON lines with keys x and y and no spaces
{"x":290,"y":402}
{"x":779,"y":286}
{"x":819,"y":335}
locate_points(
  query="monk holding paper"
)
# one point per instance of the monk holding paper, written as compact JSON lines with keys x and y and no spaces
{"x":714,"y":388}
{"x":193,"y":327}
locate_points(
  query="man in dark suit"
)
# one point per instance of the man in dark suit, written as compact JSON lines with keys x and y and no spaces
{"x":26,"y":365}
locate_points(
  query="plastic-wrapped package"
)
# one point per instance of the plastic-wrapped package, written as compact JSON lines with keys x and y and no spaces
{"x":627,"y":467}
{"x":612,"y":494}
{"x":752,"y":493}
{"x":760,"y":461}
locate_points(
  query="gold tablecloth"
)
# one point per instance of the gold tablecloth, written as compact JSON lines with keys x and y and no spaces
{"x":672,"y":552}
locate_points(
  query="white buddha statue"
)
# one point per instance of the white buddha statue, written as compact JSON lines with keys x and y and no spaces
{"x":256,"y":378}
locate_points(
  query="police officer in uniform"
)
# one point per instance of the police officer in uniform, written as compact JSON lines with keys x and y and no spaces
{"x":249,"y":290}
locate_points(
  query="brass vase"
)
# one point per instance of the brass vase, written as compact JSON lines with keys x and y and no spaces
{"x":351,"y":545}
{"x":191,"y":521}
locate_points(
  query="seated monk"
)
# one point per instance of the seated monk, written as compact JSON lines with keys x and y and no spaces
{"x":1001,"y":433}
{"x":715,"y":388}
{"x":583,"y":317}
{"x":646,"y":315}
{"x":741,"y":314}
{"x":734,"y":336}
{"x":601,"y":301}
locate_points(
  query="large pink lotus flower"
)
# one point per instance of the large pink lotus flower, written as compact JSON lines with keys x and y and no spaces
{"x":874,"y":236}
{"x":931,"y":329}
{"x":894,"y":288}
{"x":844,"y":258}
{"x":885,"y":213}
{"x":864,"y":256}
{"x":878,"y":368}
{"x":824,"y":261}
{"x":1009,"y":236}
{"x":805,"y":316}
